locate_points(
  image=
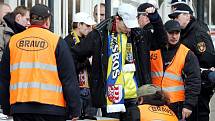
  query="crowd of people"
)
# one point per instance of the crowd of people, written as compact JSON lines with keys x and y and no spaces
{"x":130,"y":65}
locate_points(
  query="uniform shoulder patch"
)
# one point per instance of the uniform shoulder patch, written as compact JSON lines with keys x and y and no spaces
{"x":201,"y":47}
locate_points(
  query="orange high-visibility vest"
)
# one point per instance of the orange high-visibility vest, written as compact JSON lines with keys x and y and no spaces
{"x":171,"y":80}
{"x":156,"y":113}
{"x":33,"y":68}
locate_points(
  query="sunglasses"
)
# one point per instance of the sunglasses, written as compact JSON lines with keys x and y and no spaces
{"x":142,"y":13}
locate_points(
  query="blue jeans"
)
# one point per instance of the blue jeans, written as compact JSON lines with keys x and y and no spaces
{"x":86,"y":104}
{"x":211,"y":77}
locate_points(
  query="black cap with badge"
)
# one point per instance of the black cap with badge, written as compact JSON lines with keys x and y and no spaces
{"x":172,"y":25}
{"x":180,"y":8}
{"x":40,"y":12}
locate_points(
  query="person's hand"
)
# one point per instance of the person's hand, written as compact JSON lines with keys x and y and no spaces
{"x":186,"y":113}
{"x":150,"y":10}
{"x":212,"y":69}
{"x":74,"y":119}
{"x":152,"y":14}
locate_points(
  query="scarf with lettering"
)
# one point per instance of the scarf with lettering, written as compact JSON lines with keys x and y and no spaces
{"x":115,"y":83}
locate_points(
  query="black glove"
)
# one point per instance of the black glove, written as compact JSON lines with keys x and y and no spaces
{"x":153,"y":17}
{"x":204,"y":74}
{"x":208,"y":78}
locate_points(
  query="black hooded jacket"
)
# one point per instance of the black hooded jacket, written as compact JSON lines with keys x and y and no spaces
{"x":10,"y":21}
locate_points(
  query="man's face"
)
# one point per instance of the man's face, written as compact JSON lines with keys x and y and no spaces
{"x":102,"y":13}
{"x":121,"y":27}
{"x":5,"y":9}
{"x":23,"y":20}
{"x":173,"y":37}
{"x":84,"y":29}
{"x":143,"y":19}
{"x":183,"y":19}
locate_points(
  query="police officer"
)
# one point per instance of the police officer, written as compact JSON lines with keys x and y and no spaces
{"x":38,"y":78}
{"x":196,"y":37}
{"x":175,"y":69}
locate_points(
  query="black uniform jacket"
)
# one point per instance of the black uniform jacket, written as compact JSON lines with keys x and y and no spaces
{"x":196,"y":37}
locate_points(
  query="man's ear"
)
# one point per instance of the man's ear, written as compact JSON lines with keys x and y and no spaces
{"x":140,"y":100}
{"x":78,"y":25}
{"x":46,"y":23}
{"x":18,"y":17}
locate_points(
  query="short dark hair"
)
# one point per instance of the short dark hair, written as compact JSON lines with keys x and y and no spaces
{"x":75,"y":24}
{"x":159,"y":98}
{"x":20,"y":10}
{"x":38,"y":22}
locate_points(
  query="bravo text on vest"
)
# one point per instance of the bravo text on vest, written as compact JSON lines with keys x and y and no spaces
{"x":32,"y":44}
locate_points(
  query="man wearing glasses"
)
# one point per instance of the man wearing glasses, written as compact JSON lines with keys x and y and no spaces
{"x":152,"y":29}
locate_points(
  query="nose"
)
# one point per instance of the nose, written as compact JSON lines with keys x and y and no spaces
{"x":28,"y":23}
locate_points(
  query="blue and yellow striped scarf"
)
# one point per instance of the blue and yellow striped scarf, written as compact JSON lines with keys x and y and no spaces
{"x":115,"y":83}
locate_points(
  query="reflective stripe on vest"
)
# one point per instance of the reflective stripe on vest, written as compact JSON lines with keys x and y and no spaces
{"x":156,"y":113}
{"x":167,"y":75}
{"x":33,"y":68}
{"x":38,"y":85}
{"x":171,"y":80}
{"x":33,"y":65}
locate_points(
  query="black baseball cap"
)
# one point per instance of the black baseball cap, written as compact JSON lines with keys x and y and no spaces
{"x":142,"y":7}
{"x":180,"y":8}
{"x":40,"y":12}
{"x":172,"y":25}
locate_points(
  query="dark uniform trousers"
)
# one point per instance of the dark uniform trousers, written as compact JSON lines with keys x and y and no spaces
{"x":37,"y":117}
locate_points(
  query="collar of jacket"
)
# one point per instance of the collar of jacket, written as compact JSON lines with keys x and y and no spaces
{"x":107,"y":24}
{"x":172,"y":47}
{"x":10,"y":21}
{"x":191,"y":25}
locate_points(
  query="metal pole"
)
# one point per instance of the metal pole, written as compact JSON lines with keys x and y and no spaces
{"x":33,"y":2}
{"x":51,"y":6}
{"x":65,"y":18}
{"x":22,"y":2}
{"x":107,"y":8}
{"x":26,"y":3}
{"x":19,"y":2}
{"x":74,"y":7}
{"x":210,"y":13}
{"x":98,"y":11}
{"x":200,"y":10}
